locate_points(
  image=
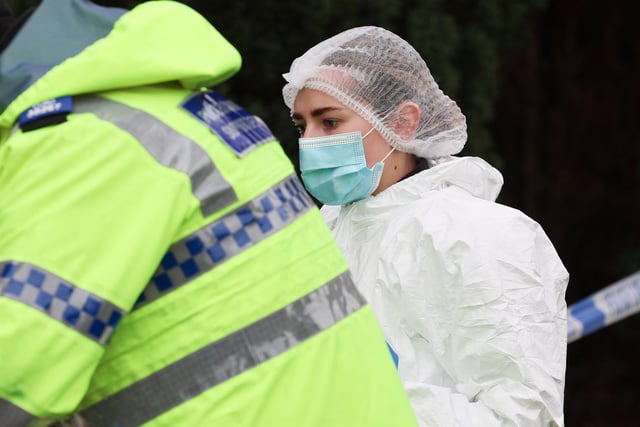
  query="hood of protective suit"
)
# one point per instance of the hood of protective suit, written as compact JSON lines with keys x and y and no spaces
{"x":151,"y":44}
{"x":471,"y":174}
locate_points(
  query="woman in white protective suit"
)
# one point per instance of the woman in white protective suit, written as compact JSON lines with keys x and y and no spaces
{"x":470,"y":293}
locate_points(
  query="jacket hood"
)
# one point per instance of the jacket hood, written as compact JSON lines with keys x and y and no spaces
{"x":74,"y":47}
{"x":471,"y":174}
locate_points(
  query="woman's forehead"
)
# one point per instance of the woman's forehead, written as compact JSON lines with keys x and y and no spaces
{"x":311,"y":101}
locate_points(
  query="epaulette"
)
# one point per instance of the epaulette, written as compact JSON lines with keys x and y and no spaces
{"x":47,"y":113}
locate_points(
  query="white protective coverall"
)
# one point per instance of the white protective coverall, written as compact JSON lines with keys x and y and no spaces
{"x":470,"y":295}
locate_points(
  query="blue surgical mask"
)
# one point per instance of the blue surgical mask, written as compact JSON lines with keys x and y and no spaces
{"x":334,"y":169}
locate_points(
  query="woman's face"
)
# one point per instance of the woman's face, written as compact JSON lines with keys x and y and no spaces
{"x":317,"y":114}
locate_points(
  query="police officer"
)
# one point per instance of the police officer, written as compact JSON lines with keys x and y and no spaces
{"x":160,"y":262}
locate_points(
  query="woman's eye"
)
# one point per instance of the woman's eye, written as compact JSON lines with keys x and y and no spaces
{"x":330,"y":123}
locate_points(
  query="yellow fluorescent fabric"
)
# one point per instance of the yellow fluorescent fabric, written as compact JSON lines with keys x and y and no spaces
{"x":92,"y":203}
{"x":43,"y":358}
{"x":241,"y":295}
{"x":299,"y":375}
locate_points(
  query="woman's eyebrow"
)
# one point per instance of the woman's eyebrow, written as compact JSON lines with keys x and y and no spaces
{"x":317,"y":112}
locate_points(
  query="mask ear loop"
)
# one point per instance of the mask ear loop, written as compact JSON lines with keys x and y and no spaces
{"x":388,"y":154}
{"x":367,"y":134}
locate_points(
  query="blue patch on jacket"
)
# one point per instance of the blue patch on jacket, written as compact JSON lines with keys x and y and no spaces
{"x":62,"y":105}
{"x":236,"y":127}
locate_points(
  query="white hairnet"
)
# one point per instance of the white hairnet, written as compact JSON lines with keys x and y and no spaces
{"x":373,"y":72}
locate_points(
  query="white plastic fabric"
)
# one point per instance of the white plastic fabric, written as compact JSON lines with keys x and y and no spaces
{"x":470,"y":295}
{"x":373,"y":72}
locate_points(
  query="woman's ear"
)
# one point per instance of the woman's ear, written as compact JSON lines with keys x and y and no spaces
{"x":407,"y":120}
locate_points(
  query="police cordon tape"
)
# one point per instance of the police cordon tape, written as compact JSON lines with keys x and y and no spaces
{"x":609,"y":305}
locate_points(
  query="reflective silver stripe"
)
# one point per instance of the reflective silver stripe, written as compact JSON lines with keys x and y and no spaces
{"x":168,"y":147}
{"x":228,"y":357}
{"x":210,"y":246}
{"x":78,"y":309}
{"x":13,"y":416}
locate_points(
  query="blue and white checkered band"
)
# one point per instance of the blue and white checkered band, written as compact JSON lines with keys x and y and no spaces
{"x":76,"y":308}
{"x":210,"y":246}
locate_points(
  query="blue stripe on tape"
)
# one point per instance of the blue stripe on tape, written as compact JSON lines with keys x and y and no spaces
{"x":589,"y":315}
{"x":605,"y":307}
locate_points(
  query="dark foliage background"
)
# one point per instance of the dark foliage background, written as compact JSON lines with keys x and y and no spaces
{"x":566,"y":124}
{"x":549,"y":88}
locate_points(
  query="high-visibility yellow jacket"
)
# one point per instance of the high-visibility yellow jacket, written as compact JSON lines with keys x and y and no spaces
{"x":160,"y":262}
